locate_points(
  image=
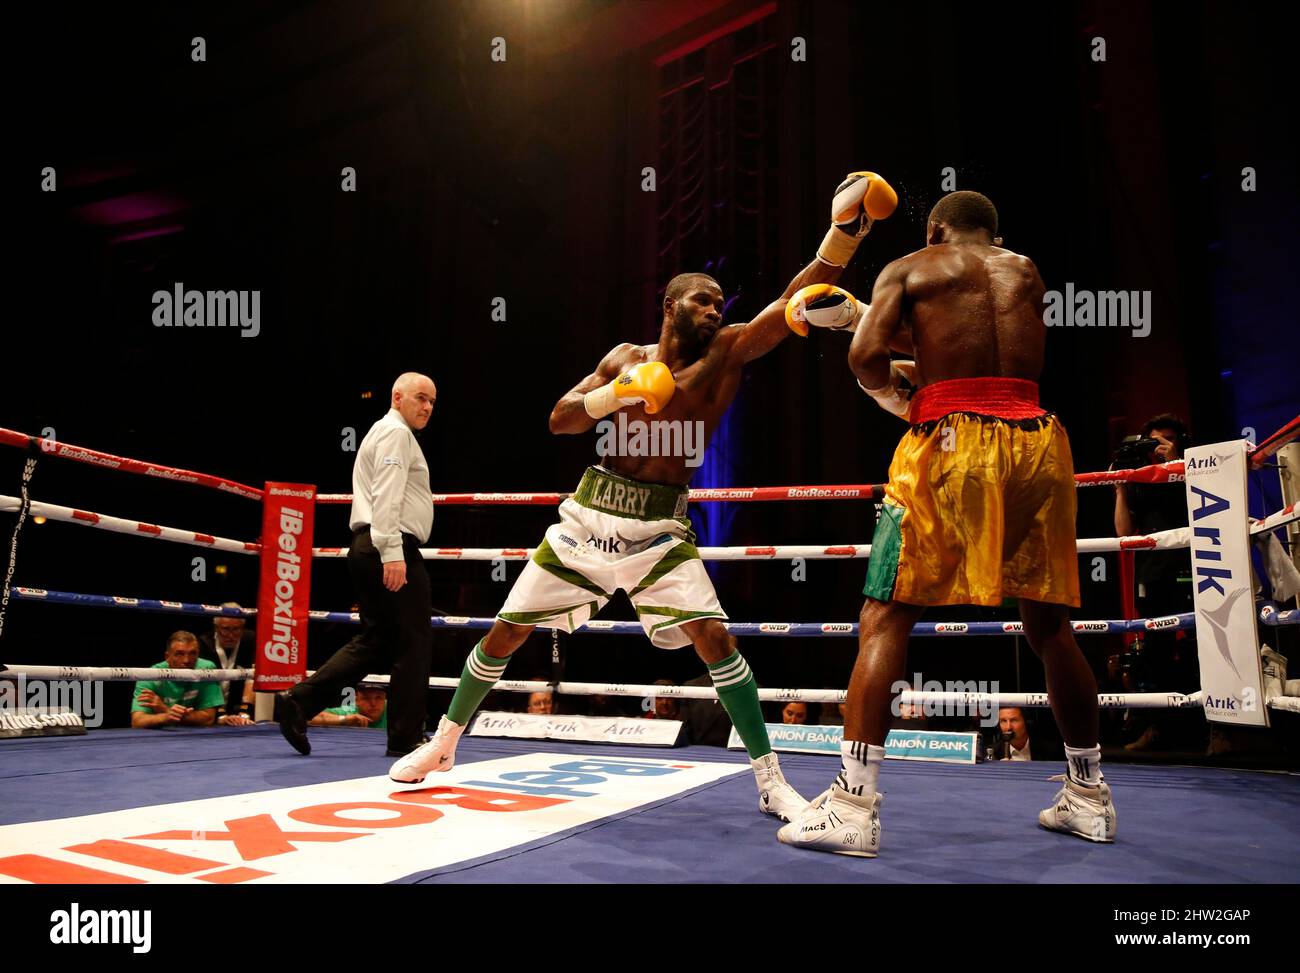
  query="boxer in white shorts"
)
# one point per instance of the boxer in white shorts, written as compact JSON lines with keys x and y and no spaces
{"x":626,"y":525}
{"x":647,"y":549}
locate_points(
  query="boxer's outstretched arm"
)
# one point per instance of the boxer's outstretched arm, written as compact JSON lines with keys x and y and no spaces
{"x":768,"y":329}
{"x":569,"y":417}
{"x":881,"y":328}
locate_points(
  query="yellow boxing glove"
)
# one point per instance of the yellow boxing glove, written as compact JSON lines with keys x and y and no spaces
{"x":866,"y":190}
{"x":650,"y":382}
{"x":823,"y":306}
{"x":860,"y":199}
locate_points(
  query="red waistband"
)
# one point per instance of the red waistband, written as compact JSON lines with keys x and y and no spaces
{"x":1004,"y":398}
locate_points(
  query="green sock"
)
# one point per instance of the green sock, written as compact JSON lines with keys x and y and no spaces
{"x":480,"y":674}
{"x":739,"y":695}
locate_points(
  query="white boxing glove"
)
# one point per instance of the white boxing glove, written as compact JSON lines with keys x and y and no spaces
{"x":895,"y":396}
{"x":824,"y":306}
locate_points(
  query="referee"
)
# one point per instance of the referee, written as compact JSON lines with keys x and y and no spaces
{"x":392,"y":514}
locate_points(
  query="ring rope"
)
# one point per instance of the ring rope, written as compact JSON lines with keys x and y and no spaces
{"x":969,"y":700}
{"x":1159,"y":472}
{"x":84,"y":454}
{"x":874,"y":492}
{"x":788,"y":629}
{"x":1273,"y":443}
{"x":1268,"y":614}
{"x":809,"y":552}
{"x":1173,"y":539}
{"x":137,"y":528}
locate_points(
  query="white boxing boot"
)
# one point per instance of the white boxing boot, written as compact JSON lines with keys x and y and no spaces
{"x":843,"y":824}
{"x":438,"y":755}
{"x":1081,"y":810}
{"x":775,"y":796}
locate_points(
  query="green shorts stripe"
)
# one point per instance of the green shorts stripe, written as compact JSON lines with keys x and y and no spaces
{"x":546,"y":558}
{"x":675,"y":558}
{"x":546,"y":615}
{"x":676,"y":616}
{"x":882,"y":569}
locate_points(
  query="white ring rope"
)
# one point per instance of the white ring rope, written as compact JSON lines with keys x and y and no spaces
{"x":136,"y":528}
{"x":1177,"y":538}
{"x":809,"y":552}
{"x":966,"y":699}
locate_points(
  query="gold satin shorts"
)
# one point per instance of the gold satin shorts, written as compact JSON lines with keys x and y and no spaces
{"x":978,"y":509}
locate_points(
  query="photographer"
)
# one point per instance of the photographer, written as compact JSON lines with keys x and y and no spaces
{"x":1144,"y":508}
{"x":1161,"y":660}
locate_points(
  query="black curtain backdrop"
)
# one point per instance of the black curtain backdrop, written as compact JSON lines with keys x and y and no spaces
{"x":484,"y":184}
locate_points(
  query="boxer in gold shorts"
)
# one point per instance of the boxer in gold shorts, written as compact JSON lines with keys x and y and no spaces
{"x":979,"y":507}
{"x":980,"y":501}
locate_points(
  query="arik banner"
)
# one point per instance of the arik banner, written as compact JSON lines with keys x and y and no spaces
{"x":288,"y":523}
{"x":585,"y":729}
{"x":1226,"y":636}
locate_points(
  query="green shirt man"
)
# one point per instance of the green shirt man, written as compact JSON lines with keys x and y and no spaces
{"x":370,"y":709}
{"x":166,"y":702}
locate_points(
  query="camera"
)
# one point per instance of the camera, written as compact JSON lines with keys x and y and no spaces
{"x":1135,"y":451}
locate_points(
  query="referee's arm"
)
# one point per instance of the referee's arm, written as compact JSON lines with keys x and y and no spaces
{"x":388,"y":485}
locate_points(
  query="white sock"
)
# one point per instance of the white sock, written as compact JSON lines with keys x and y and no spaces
{"x":1084,"y":765}
{"x":859,"y":768}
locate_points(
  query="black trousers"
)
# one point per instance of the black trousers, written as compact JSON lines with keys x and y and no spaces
{"x":396,"y":635}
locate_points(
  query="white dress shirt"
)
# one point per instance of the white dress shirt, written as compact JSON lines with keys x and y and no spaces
{"x":1021,"y":754}
{"x":390,"y":487}
{"x":225,"y":660}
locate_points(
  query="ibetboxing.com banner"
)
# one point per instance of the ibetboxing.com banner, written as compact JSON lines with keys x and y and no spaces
{"x":288,"y":524}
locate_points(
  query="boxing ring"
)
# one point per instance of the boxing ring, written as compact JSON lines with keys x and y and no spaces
{"x":233,"y":805}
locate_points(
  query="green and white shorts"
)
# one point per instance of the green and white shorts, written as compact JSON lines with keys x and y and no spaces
{"x":617,"y":533}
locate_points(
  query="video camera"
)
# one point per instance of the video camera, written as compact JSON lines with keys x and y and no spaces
{"x":1135,"y":451}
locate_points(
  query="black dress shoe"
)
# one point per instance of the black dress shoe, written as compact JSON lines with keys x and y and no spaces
{"x":293,"y":724}
{"x":403,"y":751}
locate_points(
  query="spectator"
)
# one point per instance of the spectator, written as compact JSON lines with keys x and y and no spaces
{"x":1161,"y":660}
{"x":231,"y":646}
{"x":602,"y":705}
{"x":707,"y":723}
{"x":541,"y":703}
{"x":1011,"y":723}
{"x":170,"y":703}
{"x":370,"y":709}
{"x":911,"y":716}
{"x":795,"y":713}
{"x":832,"y":714}
{"x":665,"y":707}
{"x":1020,"y":738}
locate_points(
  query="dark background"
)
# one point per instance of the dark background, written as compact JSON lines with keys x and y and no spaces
{"x":522,"y":180}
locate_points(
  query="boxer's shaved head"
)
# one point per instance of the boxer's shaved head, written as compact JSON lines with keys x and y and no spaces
{"x":693,"y":306}
{"x":966,"y":210}
{"x":683,"y":284}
